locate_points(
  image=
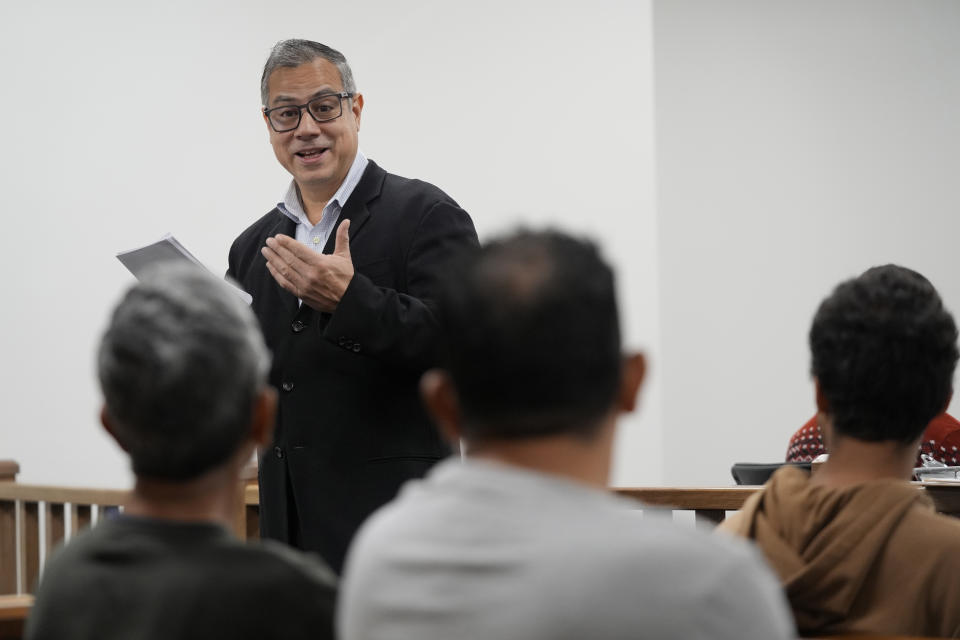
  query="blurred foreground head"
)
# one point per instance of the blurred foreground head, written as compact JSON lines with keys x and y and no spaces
{"x":183,"y":368}
{"x":883,"y":350}
{"x":532,"y":341}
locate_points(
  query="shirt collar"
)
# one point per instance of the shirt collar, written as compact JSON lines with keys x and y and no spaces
{"x":291,"y":206}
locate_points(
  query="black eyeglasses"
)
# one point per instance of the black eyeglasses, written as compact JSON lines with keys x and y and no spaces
{"x":323,"y":108}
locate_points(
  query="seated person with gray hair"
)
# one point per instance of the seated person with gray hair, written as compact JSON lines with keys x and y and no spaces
{"x":858,"y":549}
{"x":183,"y":369}
{"x":522,"y":539}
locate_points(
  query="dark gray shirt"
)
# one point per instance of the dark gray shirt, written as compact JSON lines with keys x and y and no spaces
{"x":142,"y":578}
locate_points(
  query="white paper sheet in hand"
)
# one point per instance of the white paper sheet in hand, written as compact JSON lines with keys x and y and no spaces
{"x":166,"y":249}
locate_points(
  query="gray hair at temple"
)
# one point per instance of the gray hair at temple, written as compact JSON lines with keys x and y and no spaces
{"x":293,"y":53}
{"x":181,"y":365}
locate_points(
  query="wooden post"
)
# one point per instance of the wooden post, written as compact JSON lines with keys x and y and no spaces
{"x":80,"y":517}
{"x":251,"y":499}
{"x":241,"y":526}
{"x":253,"y":521}
{"x":8,"y":547}
{"x":13,"y":615}
{"x":55,"y":515}
{"x":8,"y":532}
{"x":29,"y":522}
{"x":8,"y":470}
{"x":708,"y":518}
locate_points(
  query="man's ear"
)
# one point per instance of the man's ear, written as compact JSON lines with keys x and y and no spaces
{"x":107,"y":423}
{"x":440,"y":398}
{"x":356,"y":105}
{"x":634,"y":369}
{"x":263,"y":417}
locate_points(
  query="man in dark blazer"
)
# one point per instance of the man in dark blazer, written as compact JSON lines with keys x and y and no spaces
{"x":342,"y":274}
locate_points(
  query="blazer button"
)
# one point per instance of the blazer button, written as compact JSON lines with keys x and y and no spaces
{"x":342,"y":340}
{"x":356,"y":347}
{"x":278,"y":452}
{"x":287,"y":386}
{"x":298,"y":326}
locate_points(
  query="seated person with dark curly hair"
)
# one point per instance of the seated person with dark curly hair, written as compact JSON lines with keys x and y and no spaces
{"x":859,"y":549}
{"x":183,"y":369}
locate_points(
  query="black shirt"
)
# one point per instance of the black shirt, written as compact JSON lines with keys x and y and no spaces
{"x":133,"y":577}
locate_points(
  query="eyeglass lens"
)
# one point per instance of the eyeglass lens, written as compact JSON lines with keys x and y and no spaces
{"x":322,"y":108}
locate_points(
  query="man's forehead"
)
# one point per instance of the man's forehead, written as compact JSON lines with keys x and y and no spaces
{"x":304,"y":81}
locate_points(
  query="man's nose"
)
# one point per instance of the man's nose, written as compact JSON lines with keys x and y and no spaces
{"x":308,"y":127}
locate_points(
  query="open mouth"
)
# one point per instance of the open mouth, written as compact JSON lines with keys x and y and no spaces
{"x":311,"y":154}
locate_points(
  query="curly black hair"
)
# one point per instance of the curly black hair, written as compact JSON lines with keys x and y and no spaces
{"x":884,"y":349}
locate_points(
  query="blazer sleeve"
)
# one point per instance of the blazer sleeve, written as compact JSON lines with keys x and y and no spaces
{"x":401,"y":328}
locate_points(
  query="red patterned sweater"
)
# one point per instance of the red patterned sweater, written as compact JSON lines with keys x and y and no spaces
{"x":941,"y":440}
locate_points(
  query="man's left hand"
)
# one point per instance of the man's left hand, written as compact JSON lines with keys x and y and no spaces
{"x":318,"y":279}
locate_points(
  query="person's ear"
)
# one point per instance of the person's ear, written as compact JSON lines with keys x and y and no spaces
{"x":263,"y":417}
{"x":356,"y":105}
{"x":440,"y":398}
{"x":107,"y":423}
{"x":633,"y":371}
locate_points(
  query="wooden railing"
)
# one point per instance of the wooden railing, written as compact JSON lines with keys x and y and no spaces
{"x":709,"y":505}
{"x":38,"y":517}
{"x":35,"y":518}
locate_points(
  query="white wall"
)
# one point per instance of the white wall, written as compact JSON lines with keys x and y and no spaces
{"x":798,"y":144}
{"x":124,"y":120}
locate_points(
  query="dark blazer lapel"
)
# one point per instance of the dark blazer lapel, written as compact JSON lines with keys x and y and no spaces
{"x":356,"y":210}
{"x":285,"y":226}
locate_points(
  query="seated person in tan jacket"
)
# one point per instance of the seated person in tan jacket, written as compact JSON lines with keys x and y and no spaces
{"x":857,"y":548}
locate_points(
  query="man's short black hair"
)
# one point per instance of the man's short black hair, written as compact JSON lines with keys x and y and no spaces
{"x":532,"y":338}
{"x":884,"y":350}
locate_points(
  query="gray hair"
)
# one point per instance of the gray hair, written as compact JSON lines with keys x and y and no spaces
{"x":181,"y":364}
{"x":293,"y":53}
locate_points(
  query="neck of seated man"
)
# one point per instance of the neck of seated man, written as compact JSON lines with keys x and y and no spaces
{"x":582,"y":458}
{"x":853,"y":461}
{"x":212,"y":497}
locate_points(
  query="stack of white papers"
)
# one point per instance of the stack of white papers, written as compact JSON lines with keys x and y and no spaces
{"x":165,"y":250}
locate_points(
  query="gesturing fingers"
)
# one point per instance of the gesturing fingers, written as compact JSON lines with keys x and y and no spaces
{"x":285,"y":255}
{"x":282,"y":281}
{"x":318,"y":280}
{"x":286,"y":268}
{"x":290,"y":248}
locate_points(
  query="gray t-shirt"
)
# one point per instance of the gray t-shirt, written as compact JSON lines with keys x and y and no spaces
{"x":156,"y":579}
{"x":480,"y":550}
